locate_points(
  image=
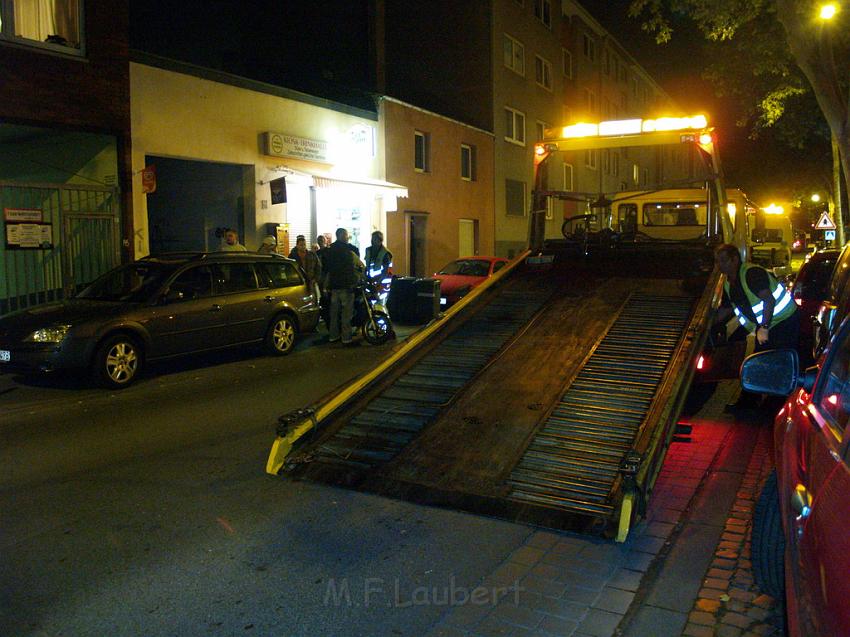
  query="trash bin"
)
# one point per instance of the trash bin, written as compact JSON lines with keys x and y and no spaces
{"x":427,"y":306}
{"x":402,"y":300}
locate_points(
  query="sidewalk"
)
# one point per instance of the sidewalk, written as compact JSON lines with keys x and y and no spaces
{"x":684,"y":570}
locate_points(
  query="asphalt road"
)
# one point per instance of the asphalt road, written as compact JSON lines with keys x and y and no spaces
{"x":147,"y":511}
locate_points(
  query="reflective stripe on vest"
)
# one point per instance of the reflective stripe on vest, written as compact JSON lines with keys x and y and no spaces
{"x":782,"y":309}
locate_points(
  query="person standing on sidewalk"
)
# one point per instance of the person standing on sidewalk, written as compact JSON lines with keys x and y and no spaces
{"x":343,"y":271}
{"x":762,"y":305}
{"x":309,"y":262}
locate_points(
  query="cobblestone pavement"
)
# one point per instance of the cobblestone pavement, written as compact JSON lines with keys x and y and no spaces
{"x":681,"y":572}
{"x":729,"y":603}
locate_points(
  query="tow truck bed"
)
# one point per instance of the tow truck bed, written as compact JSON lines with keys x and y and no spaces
{"x":537,"y":406}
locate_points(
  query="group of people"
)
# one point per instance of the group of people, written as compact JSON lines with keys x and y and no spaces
{"x":332,"y":272}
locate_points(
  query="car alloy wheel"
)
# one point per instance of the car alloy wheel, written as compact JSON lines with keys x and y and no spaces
{"x":118,"y":362}
{"x":281,"y":337}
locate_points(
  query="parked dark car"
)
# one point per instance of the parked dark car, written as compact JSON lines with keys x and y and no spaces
{"x":158,"y":308}
{"x":800,"y":539}
{"x":835,"y":305}
{"x":810,"y":289}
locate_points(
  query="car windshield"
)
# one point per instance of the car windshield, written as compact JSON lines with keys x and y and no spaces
{"x":134,"y":282}
{"x":467,"y":267}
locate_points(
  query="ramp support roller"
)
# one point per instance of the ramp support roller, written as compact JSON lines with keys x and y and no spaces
{"x":628,"y":468}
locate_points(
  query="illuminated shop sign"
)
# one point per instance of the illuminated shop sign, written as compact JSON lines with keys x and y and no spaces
{"x":283,"y":145}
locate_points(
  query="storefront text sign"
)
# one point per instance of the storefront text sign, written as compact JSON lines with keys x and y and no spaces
{"x":283,"y":145}
{"x":22,"y":214}
{"x":29,"y":235}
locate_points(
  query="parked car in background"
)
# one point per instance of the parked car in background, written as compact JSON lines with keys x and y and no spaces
{"x":835,"y":305}
{"x":809,"y":290}
{"x":158,"y":308}
{"x":800,"y":539}
{"x":801,"y":242}
{"x":462,"y":275}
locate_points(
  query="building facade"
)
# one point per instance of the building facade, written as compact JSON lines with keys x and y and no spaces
{"x":65,"y":140}
{"x":447,"y":167}
{"x":224,"y":152}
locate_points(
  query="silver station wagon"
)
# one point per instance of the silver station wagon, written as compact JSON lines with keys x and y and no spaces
{"x":162,"y":307}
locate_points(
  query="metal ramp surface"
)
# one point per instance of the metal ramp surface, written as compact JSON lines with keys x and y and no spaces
{"x":391,"y":420}
{"x":574,"y":459}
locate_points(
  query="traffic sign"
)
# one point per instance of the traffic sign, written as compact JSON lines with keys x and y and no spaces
{"x":829,"y":235}
{"x":825,"y":222}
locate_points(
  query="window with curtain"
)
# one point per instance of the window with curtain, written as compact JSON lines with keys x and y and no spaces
{"x":55,"y":23}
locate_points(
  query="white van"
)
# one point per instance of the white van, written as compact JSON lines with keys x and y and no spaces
{"x":770,"y":239}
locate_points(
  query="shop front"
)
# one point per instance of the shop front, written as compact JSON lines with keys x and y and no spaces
{"x":260,"y":159}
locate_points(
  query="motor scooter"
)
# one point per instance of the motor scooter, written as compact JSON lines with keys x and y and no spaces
{"x":370,"y":315}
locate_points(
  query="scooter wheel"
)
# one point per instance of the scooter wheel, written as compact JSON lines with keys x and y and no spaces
{"x":378,"y":330}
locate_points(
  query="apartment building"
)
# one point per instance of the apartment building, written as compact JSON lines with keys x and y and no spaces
{"x":64,"y":146}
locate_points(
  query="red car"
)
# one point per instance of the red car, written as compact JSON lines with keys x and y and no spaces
{"x":461,"y":275}
{"x":810,"y":289}
{"x":800,"y":540}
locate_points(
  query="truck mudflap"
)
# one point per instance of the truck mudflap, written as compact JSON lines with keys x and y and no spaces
{"x":551,"y":401}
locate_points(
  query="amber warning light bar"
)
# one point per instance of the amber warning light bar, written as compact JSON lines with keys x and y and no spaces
{"x":635,"y":126}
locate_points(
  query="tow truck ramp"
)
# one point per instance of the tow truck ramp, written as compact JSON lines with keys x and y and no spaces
{"x":548,"y":401}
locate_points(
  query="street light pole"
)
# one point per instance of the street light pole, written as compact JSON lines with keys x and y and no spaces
{"x":827,"y":13}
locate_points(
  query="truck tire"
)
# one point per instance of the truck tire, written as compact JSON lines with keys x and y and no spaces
{"x":768,"y":542}
{"x":117,"y":361}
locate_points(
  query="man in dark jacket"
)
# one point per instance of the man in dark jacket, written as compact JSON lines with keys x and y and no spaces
{"x":343,"y":269}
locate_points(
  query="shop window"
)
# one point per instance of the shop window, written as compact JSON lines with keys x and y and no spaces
{"x":51,"y":24}
{"x":467,"y":162}
{"x":543,"y":72}
{"x":514,"y":54}
{"x":514,"y":197}
{"x":421,"y":159}
{"x":514,"y":126}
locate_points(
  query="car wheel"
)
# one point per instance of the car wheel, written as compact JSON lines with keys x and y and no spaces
{"x":768,"y":542}
{"x":378,"y":330}
{"x":281,"y":335}
{"x":118,"y":361}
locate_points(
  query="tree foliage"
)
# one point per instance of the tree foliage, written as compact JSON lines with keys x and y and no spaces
{"x":775,"y":59}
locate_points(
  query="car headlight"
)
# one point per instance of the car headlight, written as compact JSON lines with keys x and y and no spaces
{"x":49,"y":334}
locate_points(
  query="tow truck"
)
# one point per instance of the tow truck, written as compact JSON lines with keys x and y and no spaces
{"x":549,"y":394}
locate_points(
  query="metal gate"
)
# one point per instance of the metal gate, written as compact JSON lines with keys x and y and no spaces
{"x":85,"y":236}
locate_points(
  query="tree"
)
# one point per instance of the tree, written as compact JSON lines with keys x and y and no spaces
{"x":777,"y":41}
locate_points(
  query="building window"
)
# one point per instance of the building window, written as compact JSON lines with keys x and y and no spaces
{"x":590,"y":102}
{"x":543,"y":11}
{"x":514,"y":126}
{"x":606,"y":62}
{"x":540,"y":130}
{"x":514,"y":198}
{"x":635,"y":174}
{"x":55,"y":25}
{"x":514,"y":55}
{"x":615,"y":163}
{"x":589,"y":47}
{"x":543,"y":72}
{"x":591,"y":159}
{"x":568,"y":176}
{"x":567,"y":63}
{"x":467,"y":162}
{"x":606,"y":161}
{"x":421,"y":152}
{"x":645,"y":176}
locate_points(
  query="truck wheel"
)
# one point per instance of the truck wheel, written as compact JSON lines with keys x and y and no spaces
{"x":768,"y":542}
{"x":378,"y":330}
{"x":280,"y":339}
{"x":117,"y":362}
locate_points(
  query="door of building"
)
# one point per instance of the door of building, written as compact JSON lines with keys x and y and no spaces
{"x":417,"y":257}
{"x":80,"y":228}
{"x":466,"y":240}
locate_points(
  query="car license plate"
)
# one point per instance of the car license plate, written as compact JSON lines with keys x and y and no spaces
{"x":5,"y":356}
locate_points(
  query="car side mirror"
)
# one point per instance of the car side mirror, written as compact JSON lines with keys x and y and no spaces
{"x":775,"y":372}
{"x":173,"y":296}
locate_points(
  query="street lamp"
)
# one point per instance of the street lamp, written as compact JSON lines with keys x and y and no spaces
{"x":815,"y":198}
{"x":826,"y":14}
{"x":828,"y":11}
